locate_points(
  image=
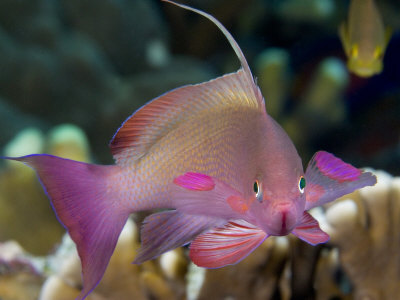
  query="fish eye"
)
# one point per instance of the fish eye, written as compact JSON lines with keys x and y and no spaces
{"x":257,"y":191}
{"x":302,"y":184}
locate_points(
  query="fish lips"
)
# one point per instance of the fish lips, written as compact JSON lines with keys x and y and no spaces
{"x":279,"y":219}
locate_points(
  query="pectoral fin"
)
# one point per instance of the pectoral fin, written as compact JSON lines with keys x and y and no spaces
{"x":226,"y":245}
{"x":329,"y":178}
{"x":171,"y":229}
{"x":309,"y":231}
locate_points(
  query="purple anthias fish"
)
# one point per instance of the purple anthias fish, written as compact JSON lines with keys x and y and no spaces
{"x":225,"y":172}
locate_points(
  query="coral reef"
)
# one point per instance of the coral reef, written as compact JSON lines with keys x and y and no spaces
{"x":20,"y":278}
{"x":122,"y":280}
{"x":92,"y":65}
{"x":256,"y":277}
{"x":60,"y":65}
{"x":307,"y":10}
{"x":25,"y":213}
{"x":365,"y":229}
{"x":72,"y":62}
{"x":273,"y":78}
{"x":362,"y":248}
{"x":322,"y":106}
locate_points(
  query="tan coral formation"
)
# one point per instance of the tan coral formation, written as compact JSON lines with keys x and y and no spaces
{"x":19,"y":278}
{"x":122,"y":279}
{"x":326,"y":284}
{"x":256,"y":277}
{"x":321,"y":107}
{"x":366,"y":229}
{"x":273,"y":75}
{"x":25,"y":212}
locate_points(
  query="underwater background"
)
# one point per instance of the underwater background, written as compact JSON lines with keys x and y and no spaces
{"x":71,"y":71}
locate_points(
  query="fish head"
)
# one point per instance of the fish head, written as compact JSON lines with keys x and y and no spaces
{"x":279,"y":212}
{"x":278,"y":190}
{"x":365,"y":64}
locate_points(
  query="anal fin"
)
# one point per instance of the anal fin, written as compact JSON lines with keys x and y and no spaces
{"x":171,"y":229}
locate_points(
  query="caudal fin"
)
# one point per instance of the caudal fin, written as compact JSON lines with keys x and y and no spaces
{"x":86,"y":204}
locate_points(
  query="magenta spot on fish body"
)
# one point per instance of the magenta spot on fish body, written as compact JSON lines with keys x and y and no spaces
{"x":195,"y":181}
{"x":335,"y":168}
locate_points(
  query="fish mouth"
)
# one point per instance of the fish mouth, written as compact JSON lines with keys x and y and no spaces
{"x":284,"y":219}
{"x":284,"y":230}
{"x":365,"y":69}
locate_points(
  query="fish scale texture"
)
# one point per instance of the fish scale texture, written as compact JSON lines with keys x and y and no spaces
{"x":211,"y":138}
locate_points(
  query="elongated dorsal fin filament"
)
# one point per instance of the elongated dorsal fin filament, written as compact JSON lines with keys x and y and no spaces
{"x":227,"y":34}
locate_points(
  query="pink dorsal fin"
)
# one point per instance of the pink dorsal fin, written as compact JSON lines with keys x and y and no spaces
{"x":226,"y":245}
{"x":156,"y":119}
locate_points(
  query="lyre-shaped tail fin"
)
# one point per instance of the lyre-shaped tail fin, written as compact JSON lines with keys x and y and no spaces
{"x":87,"y":207}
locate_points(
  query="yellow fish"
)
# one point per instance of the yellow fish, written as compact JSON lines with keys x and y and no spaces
{"x":364,"y":38}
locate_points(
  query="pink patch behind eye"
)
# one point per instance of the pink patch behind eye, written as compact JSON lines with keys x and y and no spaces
{"x":237,"y":204}
{"x":195,"y":181}
{"x":336,"y":169}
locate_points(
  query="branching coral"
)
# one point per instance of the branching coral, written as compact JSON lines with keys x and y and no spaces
{"x":273,"y":78}
{"x":25,"y":212}
{"x":122,"y":280}
{"x":360,"y":261}
{"x":20,"y":278}
{"x":256,"y":277}
{"x":366,"y":230}
{"x":322,"y":107}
